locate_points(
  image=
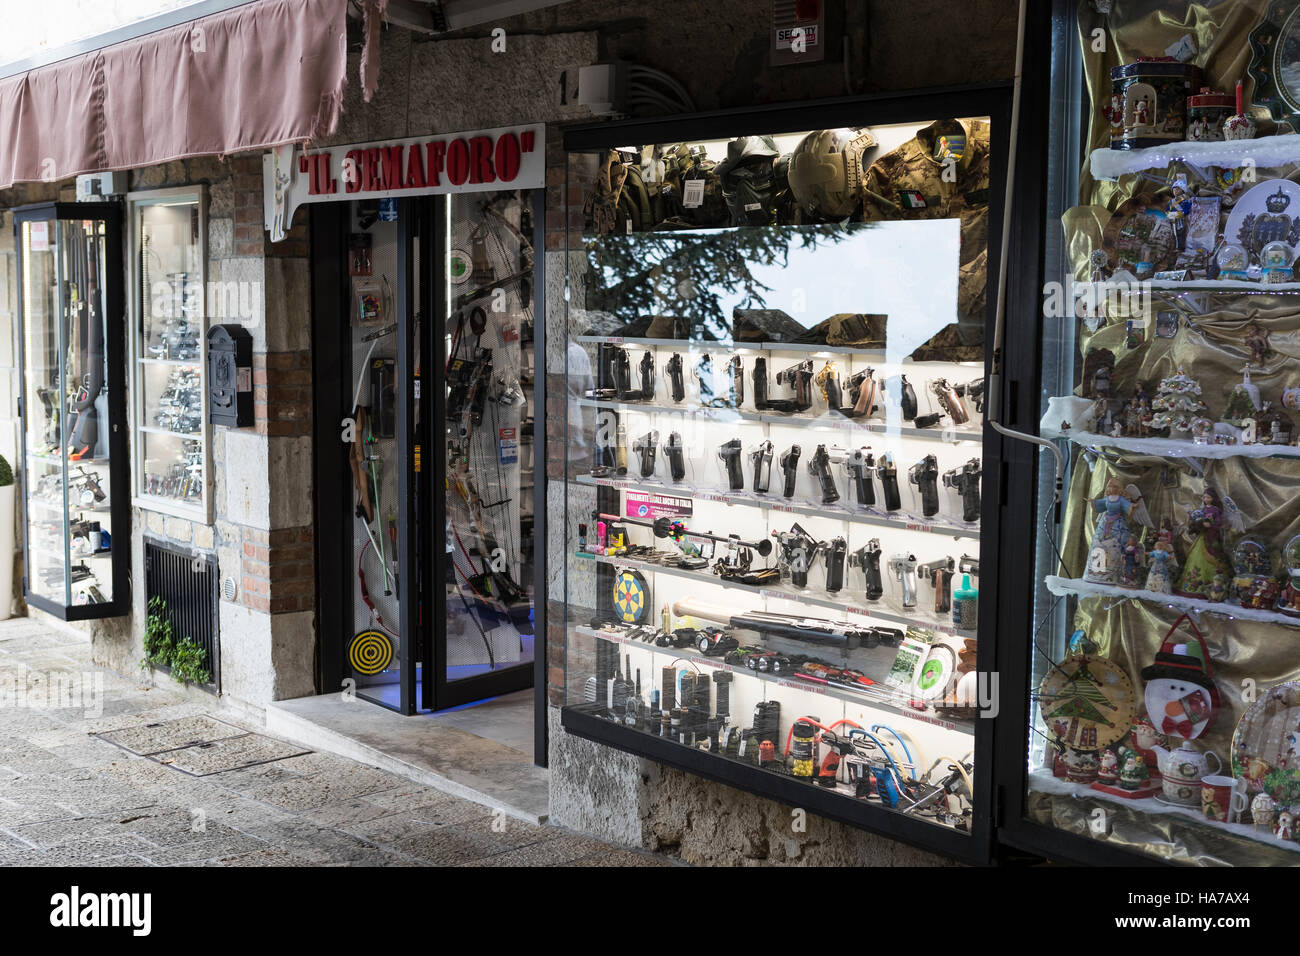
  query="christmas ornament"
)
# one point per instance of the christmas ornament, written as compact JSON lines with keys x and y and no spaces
{"x":1177,"y":404}
{"x":1181,"y":696}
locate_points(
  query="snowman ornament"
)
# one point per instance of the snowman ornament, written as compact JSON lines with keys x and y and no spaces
{"x":1181,"y":697}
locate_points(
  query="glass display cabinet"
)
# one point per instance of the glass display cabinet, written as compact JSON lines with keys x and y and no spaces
{"x":775,"y":495}
{"x":75,"y":518}
{"x":1162,"y":682}
{"x":168,"y":232}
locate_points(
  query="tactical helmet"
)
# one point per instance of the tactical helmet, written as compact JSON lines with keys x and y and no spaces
{"x":747,"y":180}
{"x":827,"y":171}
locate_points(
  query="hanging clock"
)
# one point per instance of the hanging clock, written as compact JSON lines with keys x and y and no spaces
{"x":1087,"y":702}
{"x":1275,"y":62}
{"x":631,"y":597}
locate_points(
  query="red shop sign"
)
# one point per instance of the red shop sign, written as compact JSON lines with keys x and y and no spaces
{"x":512,"y":157}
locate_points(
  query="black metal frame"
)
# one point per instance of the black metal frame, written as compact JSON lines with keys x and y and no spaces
{"x":1002,"y":517}
{"x":510,"y":679}
{"x":1049,"y":32}
{"x":420,"y":641}
{"x":115,"y":338}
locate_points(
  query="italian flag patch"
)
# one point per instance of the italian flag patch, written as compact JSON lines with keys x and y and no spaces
{"x":911,"y":199}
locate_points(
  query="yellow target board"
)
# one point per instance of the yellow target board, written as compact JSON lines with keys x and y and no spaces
{"x":370,"y":652}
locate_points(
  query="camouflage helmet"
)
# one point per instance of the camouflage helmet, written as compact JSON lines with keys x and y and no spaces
{"x":747,"y":179}
{"x":827,"y":171}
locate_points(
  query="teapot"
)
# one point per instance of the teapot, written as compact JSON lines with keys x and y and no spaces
{"x":1181,"y":771}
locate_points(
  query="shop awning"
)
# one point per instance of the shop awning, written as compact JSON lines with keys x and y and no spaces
{"x":260,"y":75}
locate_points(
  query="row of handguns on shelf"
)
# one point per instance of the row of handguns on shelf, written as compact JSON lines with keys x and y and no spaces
{"x":859,"y":396}
{"x":798,"y":552}
{"x":860,"y":465}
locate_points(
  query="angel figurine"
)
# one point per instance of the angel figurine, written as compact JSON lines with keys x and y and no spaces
{"x":1161,"y":564}
{"x":1133,"y":563}
{"x":1207,"y":557}
{"x":1116,"y":507}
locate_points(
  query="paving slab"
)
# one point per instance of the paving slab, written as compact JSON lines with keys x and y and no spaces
{"x":427,"y":752}
{"x":232,"y":753}
{"x":171,"y":734}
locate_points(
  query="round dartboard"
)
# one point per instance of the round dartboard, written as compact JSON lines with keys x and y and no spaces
{"x":1087,"y":702}
{"x":631,"y":597}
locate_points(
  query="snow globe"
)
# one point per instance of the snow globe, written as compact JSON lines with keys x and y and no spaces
{"x":1252,"y":578}
{"x":1276,"y":259}
{"x":1233,"y":261}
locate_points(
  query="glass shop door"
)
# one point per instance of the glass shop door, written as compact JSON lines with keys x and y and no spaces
{"x":483,"y":559}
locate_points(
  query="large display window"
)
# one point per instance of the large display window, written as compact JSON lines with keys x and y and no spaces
{"x":169,"y":304}
{"x":1163,"y":683}
{"x":775,"y":504}
{"x":76,"y":521}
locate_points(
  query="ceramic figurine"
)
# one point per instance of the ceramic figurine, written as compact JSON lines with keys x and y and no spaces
{"x":1133,"y":773}
{"x":1206,"y":557}
{"x":1273,"y":426}
{"x":1243,"y":401}
{"x":1177,"y":404}
{"x":1257,"y":342}
{"x":1115,"y":507}
{"x":1288,"y":599}
{"x":1284,"y":829}
{"x":1108,"y":770}
{"x":1098,"y":365}
{"x":1176,"y":211}
{"x":1145,"y":738}
{"x":1161,"y":565}
{"x":1239,"y":125}
{"x":1080,"y":766}
{"x":1263,"y":811}
{"x":1134,"y":564}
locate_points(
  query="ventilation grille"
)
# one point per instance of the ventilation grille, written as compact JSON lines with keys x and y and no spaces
{"x":188,"y":583}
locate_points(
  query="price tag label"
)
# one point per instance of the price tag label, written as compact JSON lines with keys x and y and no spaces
{"x":693,"y":193}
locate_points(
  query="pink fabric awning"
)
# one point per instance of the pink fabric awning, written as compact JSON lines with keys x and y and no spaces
{"x":257,"y":76}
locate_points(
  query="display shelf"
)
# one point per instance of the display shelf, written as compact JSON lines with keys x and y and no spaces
{"x":764,"y":346}
{"x":1262,"y":153}
{"x":174,"y":363}
{"x":906,"y":521}
{"x":1233,"y":286}
{"x":155,"y":430}
{"x":584,"y":720}
{"x":1077,"y":586}
{"x":1044,"y":782}
{"x":885,"y":698}
{"x":949,"y":435}
{"x":918,"y":619}
{"x":1179,"y":447}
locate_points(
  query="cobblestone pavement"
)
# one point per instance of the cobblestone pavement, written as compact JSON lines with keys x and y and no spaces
{"x":94,"y":778}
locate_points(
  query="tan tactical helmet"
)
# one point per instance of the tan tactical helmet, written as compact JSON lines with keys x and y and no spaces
{"x":827,"y":170}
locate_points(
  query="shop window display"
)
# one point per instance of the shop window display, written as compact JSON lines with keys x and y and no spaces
{"x":169,"y":302}
{"x":775,"y":363}
{"x":73,"y":459}
{"x":1163,"y":672}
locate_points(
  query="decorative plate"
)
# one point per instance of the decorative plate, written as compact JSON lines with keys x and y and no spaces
{"x":1275,"y":62}
{"x":1268,"y":212}
{"x":1266,"y":745}
{"x":1087,"y":702}
{"x":1140,"y":238}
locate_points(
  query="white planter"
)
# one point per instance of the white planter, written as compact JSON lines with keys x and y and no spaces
{"x":6,"y":552}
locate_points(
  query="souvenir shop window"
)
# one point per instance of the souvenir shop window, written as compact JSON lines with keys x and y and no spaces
{"x":1164,"y":679}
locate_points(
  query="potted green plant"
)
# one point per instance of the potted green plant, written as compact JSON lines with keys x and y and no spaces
{"x":6,"y":539}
